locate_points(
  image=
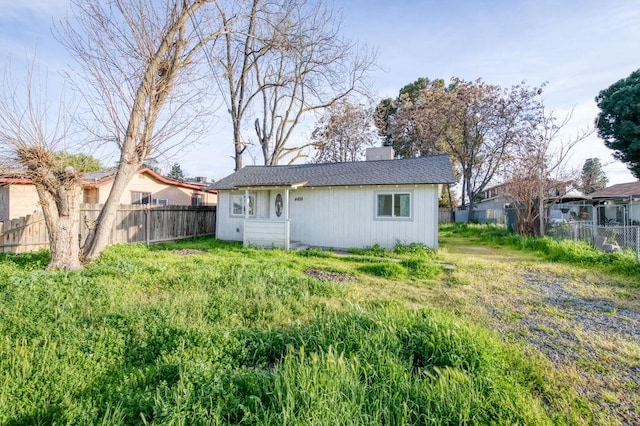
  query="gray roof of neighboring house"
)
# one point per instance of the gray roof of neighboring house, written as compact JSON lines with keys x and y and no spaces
{"x":99,"y":175}
{"x":620,"y":190}
{"x":422,"y":170}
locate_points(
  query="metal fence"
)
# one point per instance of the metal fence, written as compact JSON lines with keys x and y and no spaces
{"x":605,"y":238}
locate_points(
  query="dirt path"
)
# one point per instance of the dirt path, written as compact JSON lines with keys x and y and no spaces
{"x":585,"y":323}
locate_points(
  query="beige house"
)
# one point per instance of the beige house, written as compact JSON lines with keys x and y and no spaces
{"x":18,"y":196}
{"x":148,"y":187}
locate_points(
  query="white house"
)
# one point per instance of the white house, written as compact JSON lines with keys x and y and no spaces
{"x":336,"y":205}
{"x":617,"y":204}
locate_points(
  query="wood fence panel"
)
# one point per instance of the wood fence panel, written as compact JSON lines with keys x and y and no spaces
{"x":133,"y":224}
{"x":444,"y":215}
{"x":24,"y":234}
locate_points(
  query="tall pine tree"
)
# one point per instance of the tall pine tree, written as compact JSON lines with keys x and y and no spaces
{"x":176,"y":172}
{"x":593,"y":177}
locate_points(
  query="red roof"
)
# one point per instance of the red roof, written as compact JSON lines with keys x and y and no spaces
{"x":7,"y":180}
{"x":109,"y":179}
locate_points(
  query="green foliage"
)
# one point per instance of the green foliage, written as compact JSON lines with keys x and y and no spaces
{"x":375,"y":251}
{"x":419,"y":267}
{"x":384,"y":269}
{"x":593,"y":177}
{"x":82,"y":163}
{"x":231,"y":335}
{"x":406,"y":141}
{"x":567,"y":251}
{"x":176,"y":172}
{"x":386,"y":365}
{"x":413,"y":249}
{"x":314,"y":252}
{"x":619,"y":120}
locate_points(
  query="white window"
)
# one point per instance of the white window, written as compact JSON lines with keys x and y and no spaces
{"x":393,"y":205}
{"x":160,"y":202}
{"x":197,"y":200}
{"x":237,"y":204}
{"x":140,"y":197}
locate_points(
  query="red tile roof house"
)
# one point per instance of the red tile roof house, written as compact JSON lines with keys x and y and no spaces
{"x":18,"y":196}
{"x":334,"y":205}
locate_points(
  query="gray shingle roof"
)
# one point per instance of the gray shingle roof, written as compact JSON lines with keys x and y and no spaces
{"x":423,"y":170}
{"x":620,"y":190}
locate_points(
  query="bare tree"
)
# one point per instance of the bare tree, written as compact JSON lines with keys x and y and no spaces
{"x":31,"y":133}
{"x":236,"y":58}
{"x":487,"y":122}
{"x":474,"y":122}
{"x":283,"y":59}
{"x":538,"y":174}
{"x":138,"y":60}
{"x":343,"y":132}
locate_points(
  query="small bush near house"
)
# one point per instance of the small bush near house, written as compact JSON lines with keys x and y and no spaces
{"x":384,"y":270}
{"x":419,"y":267}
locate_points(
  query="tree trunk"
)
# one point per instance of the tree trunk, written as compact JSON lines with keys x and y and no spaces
{"x":541,"y":210}
{"x":238,"y":147}
{"x":98,"y":238}
{"x":471,"y":215}
{"x":62,"y":217}
{"x":451,"y":210}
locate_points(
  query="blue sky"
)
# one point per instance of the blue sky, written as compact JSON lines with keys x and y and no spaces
{"x":577,"y":47}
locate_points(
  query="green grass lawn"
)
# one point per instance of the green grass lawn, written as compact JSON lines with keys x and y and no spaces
{"x":203,"y":332}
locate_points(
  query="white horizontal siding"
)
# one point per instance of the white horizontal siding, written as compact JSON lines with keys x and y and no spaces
{"x":266,"y":233}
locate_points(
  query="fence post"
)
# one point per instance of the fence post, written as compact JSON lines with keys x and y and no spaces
{"x":147,"y":225}
{"x":638,"y":243}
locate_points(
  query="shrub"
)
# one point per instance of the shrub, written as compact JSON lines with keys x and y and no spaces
{"x":384,"y":270}
{"x":414,"y":249}
{"x":315,"y":252}
{"x":419,"y":267}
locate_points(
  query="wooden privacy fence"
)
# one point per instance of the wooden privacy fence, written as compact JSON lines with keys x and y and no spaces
{"x":134,"y":224}
{"x":444,"y":215}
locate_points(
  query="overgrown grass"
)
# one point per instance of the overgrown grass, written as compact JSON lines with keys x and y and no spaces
{"x":243,"y":336}
{"x":567,"y":251}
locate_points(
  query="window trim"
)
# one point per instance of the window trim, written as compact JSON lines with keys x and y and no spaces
{"x":144,"y":194}
{"x":160,"y":201}
{"x":393,"y":193}
{"x":251,"y":195}
{"x":199,"y":197}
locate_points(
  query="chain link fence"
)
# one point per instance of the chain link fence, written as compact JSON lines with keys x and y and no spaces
{"x":605,"y":238}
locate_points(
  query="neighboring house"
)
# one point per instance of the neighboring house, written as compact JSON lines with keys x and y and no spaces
{"x":489,"y":208}
{"x":18,"y":196}
{"x":148,"y":187}
{"x":617,"y":204}
{"x":334,"y":205}
{"x":562,"y":204}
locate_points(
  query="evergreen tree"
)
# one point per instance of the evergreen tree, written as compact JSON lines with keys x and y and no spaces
{"x":176,"y":172}
{"x":619,"y":120}
{"x":593,"y":177}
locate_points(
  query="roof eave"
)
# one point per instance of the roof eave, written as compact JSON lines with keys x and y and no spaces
{"x":294,"y":185}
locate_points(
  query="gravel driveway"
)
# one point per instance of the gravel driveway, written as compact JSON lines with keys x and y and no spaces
{"x":598,"y":339}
